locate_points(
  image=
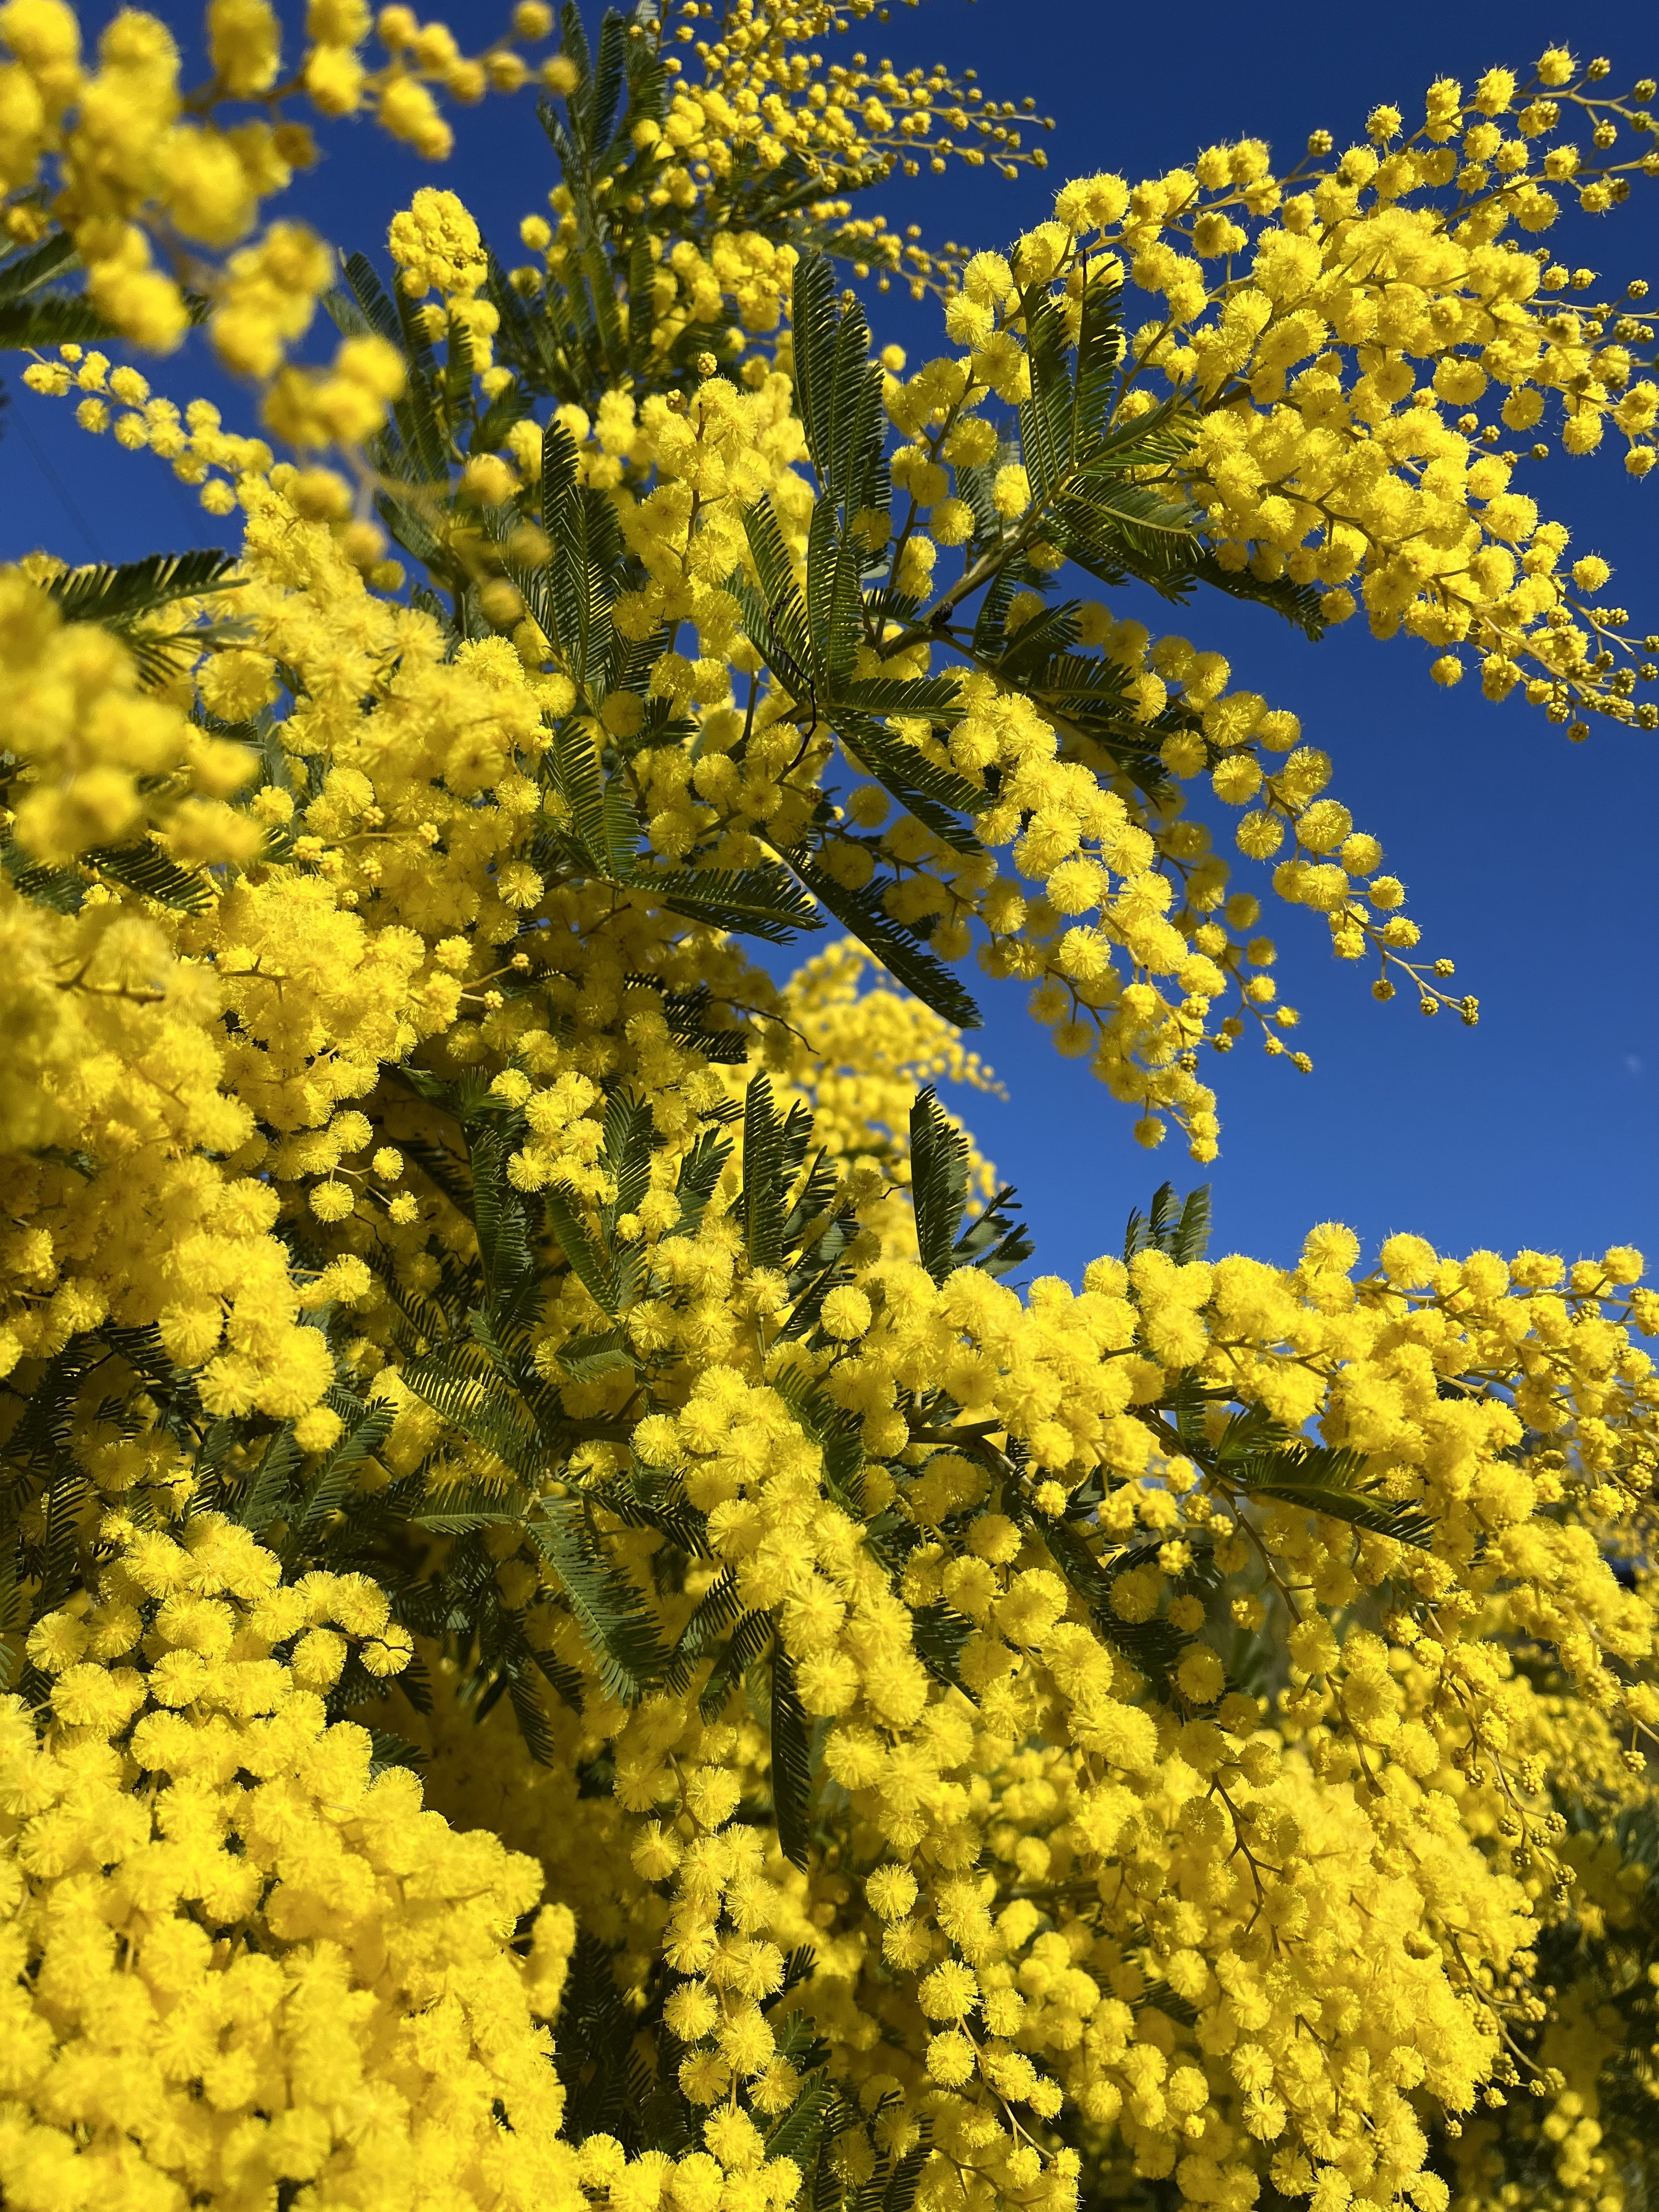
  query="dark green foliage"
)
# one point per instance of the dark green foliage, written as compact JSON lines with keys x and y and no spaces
{"x":833,"y":602}
{"x":811,"y":644}
{"x":938,"y":1184}
{"x":503,"y":1220}
{"x":1180,"y":1228}
{"x":1265,"y":1460}
{"x":586,"y":567}
{"x":935,"y":795}
{"x":144,"y":869}
{"x":794,"y":1216}
{"x":148,"y":870}
{"x":36,"y":319}
{"x":594,"y":2050}
{"x":748,"y":1644}
{"x":718,"y":1607}
{"x":275,"y":1485}
{"x":1155,"y":1646}
{"x":686,"y":1013}
{"x":336,"y":1480}
{"x":461,"y":1386}
{"x":597,"y":1276}
{"x":938,"y":1189}
{"x":759,"y":902}
{"x":644,"y":1498}
{"x":122,"y":598}
{"x":390,"y":1750}
{"x":1331,"y":1482}
{"x":798,"y":1967}
{"x":1064,"y":425}
{"x":810,"y":647}
{"x":993,"y":1242}
{"x":773,"y":1152}
{"x":700,"y":1173}
{"x":797,"y":2134}
{"x":459,"y":1509}
{"x":1356,"y":1507}
{"x":897,"y":946}
{"x":63,"y":889}
{"x":1110,"y":495}
{"x":838,"y":391}
{"x":52,"y":319}
{"x":837,"y":1433}
{"x":117,"y":597}
{"x":939,"y":1635}
{"x":600,"y":837}
{"x":586,"y":1358}
{"x":900,"y":2180}
{"x":14,"y":1613}
{"x":1296,"y":602}
{"x":622,"y":1632}
{"x":775,"y":617}
{"x":792,"y":1760}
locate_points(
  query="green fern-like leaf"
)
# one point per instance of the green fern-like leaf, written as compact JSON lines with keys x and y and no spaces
{"x":898,"y":949}
{"x":478,"y":1403}
{"x":700,"y":1173}
{"x":838,"y":1436}
{"x":619,"y":1627}
{"x":63,"y":889}
{"x":1357,"y":1509}
{"x":993,"y":1242}
{"x":803,"y":2128}
{"x":936,"y":796}
{"x":764,"y":1176}
{"x":835,"y":601}
{"x":27,"y":270}
{"x":1154,"y":1646}
{"x":119,"y":596}
{"x":275,"y":1484}
{"x":1179,"y":1227}
{"x":147,"y":870}
{"x":759,"y":902}
{"x":938,"y":1182}
{"x":587,"y":1357}
{"x":934,"y":696}
{"x":749,"y":1642}
{"x":1322,"y":1479}
{"x":52,"y":319}
{"x":587,"y":1264}
{"x":792,"y":1761}
{"x":714,"y":1613}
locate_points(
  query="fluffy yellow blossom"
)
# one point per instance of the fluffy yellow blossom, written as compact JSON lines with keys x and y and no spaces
{"x":889,"y":1728}
{"x":243,"y":1956}
{"x":116,"y":152}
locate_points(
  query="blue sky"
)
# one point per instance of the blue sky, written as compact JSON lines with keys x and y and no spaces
{"x":1529,"y":861}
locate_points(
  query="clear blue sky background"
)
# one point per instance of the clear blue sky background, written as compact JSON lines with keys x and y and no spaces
{"x":1529,"y":861}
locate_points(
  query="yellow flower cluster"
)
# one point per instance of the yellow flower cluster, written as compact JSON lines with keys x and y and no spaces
{"x":1351,"y":343}
{"x":1582,"y":2139}
{"x":100,"y":756}
{"x":1189,"y":1732}
{"x":118,"y":153}
{"x":742,"y":272}
{"x":193,"y":441}
{"x":1141,"y":1919}
{"x":239,"y":1958}
{"x":762,"y":100}
{"x":115,"y":1121}
{"x":856,"y":1053}
{"x":729,"y":448}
